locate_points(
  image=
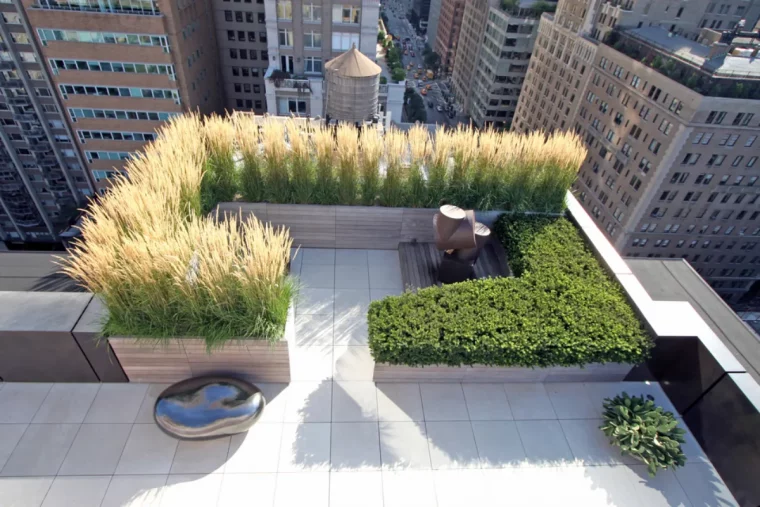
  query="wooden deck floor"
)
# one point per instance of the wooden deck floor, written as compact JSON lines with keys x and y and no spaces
{"x":420,"y":261}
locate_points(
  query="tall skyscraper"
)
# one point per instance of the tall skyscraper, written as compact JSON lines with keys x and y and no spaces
{"x":448,"y":25}
{"x":433,"y":18}
{"x":492,"y":55}
{"x":669,"y":109}
{"x":86,"y":83}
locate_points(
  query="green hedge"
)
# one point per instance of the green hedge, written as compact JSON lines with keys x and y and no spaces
{"x":561,"y":309}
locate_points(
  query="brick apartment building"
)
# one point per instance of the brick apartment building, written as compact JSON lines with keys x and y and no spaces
{"x":670,"y":113}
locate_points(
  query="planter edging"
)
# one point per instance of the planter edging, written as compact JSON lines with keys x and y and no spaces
{"x":595,"y":372}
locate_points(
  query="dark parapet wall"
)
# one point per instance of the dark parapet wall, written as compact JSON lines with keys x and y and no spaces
{"x":726,"y":423}
{"x":37,"y":342}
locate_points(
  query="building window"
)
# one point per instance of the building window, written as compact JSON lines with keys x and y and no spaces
{"x":313,"y":64}
{"x":291,"y":105}
{"x":715,"y":117}
{"x":285,"y":37}
{"x":312,"y":13}
{"x":284,"y":9}
{"x":312,"y":40}
{"x":344,"y":41}
{"x":346,"y":14}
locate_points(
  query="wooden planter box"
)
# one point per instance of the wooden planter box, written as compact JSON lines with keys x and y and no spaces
{"x":368,"y":227}
{"x":611,"y":372}
{"x":182,"y":358}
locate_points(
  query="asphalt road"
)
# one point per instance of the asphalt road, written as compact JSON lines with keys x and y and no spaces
{"x":399,"y":25}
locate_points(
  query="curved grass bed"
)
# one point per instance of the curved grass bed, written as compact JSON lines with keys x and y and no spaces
{"x":561,"y":309}
{"x":164,"y":268}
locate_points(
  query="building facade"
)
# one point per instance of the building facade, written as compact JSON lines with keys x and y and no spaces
{"x":43,"y":178}
{"x":241,"y":35}
{"x":302,"y":35}
{"x":491,"y":60}
{"x":433,"y":18}
{"x":121,"y":68}
{"x":671,"y":132}
{"x":449,"y":24}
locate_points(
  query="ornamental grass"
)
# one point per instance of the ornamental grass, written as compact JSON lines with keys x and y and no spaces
{"x":292,"y":160}
{"x":162,"y":267}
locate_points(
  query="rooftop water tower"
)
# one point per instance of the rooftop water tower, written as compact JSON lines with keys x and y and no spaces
{"x":352,"y":87}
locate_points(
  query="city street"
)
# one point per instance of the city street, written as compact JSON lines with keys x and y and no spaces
{"x":400,"y":26}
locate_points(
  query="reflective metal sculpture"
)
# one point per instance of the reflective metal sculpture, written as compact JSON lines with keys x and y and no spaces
{"x":461,"y":238}
{"x":208,"y":407}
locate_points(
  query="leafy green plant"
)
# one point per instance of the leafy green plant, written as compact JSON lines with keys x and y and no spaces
{"x":398,"y":74}
{"x":561,"y":309}
{"x":644,"y":431}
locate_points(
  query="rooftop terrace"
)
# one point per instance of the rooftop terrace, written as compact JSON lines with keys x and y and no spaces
{"x":690,"y":63}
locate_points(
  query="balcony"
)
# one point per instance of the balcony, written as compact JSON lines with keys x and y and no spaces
{"x":286,"y":81}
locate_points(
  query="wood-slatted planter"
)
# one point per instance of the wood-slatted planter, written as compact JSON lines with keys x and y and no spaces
{"x":172,"y":360}
{"x":182,"y":358}
{"x":366,"y":227}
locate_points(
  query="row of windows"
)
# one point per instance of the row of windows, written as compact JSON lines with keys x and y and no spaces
{"x":740,"y":119}
{"x":725,"y":140}
{"x":727,"y":214}
{"x":120,"y":114}
{"x":706,"y":178}
{"x":103,"y":66}
{"x":717,"y":159}
{"x":103,"y":175}
{"x":246,"y":88}
{"x":244,"y":54}
{"x":102,"y":37}
{"x":641,"y":242}
{"x":107,"y":155}
{"x":248,"y":103}
{"x":674,"y":228}
{"x":246,"y":71}
{"x":112,"y":91}
{"x":239,"y":16}
{"x":125,"y":6}
{"x":311,"y":39}
{"x":105,"y":135}
{"x":344,"y":14}
{"x":241,"y":36}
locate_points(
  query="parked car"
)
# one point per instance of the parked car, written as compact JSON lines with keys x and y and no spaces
{"x":439,"y":109}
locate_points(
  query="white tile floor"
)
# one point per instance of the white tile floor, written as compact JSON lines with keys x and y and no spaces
{"x":334,"y":438}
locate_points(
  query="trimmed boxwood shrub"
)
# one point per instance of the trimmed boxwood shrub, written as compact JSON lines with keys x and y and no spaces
{"x":560,"y":309}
